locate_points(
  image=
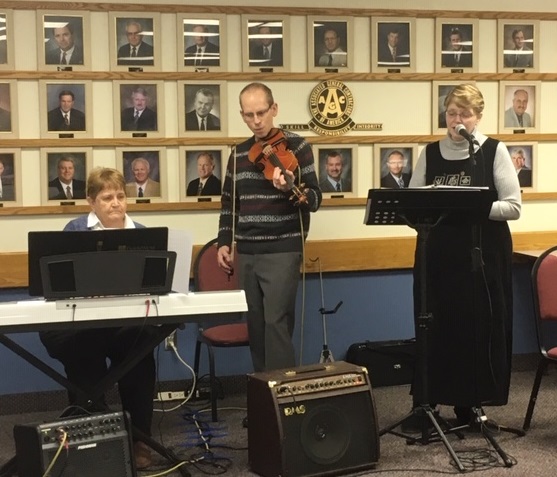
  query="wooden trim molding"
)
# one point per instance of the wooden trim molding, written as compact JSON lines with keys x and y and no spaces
{"x":347,"y":255}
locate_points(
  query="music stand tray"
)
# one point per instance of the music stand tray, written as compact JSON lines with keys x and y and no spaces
{"x":428,"y":205}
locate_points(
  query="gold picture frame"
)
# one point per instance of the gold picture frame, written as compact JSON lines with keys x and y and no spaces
{"x":457,"y":47}
{"x":190,"y":173}
{"x":66,"y":109}
{"x":57,"y":165}
{"x":439,"y":91}
{"x":135,"y":41}
{"x":265,"y":43}
{"x":9,"y":120}
{"x":59,"y":32}
{"x":334,"y":161}
{"x":331,"y":43}
{"x":518,"y":46}
{"x":146,"y":96}
{"x":205,"y":31}
{"x":393,"y":45}
{"x":386,"y":177}
{"x":512,"y":110}
{"x":202,"y":108}
{"x":155,"y":188}
{"x":524,"y":156}
{"x":10,"y":177}
{"x":7,"y":46}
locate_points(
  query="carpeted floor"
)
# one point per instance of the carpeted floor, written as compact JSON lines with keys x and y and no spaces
{"x":222,"y":447}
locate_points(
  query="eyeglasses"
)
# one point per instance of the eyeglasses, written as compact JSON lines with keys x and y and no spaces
{"x":463,"y":114}
{"x":258,"y":114}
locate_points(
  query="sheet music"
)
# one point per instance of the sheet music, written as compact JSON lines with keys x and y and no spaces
{"x":181,"y":242}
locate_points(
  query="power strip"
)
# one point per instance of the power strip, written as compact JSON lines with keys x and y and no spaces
{"x":172,"y":396}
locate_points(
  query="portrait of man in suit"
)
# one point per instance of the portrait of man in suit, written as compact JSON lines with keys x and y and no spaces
{"x":457,"y":46}
{"x":521,"y":157}
{"x":137,"y":50}
{"x":202,"y":45}
{"x":7,"y":177}
{"x":4,"y":39}
{"x":142,"y":174}
{"x":519,"y":46}
{"x":335,"y":170}
{"x":136,"y":114}
{"x":206,"y":182}
{"x":517,"y":115}
{"x":330,"y":40}
{"x":65,"y":116}
{"x":265,"y":46}
{"x":5,"y":108}
{"x":65,"y":185}
{"x":395,"y":168}
{"x":65,"y":42}
{"x":199,"y":107}
{"x":393,"y":44}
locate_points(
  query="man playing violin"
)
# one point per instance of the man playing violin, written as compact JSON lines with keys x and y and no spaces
{"x":271,"y":224}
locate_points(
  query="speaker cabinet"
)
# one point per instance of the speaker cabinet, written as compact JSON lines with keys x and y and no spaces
{"x":98,"y":444}
{"x":311,"y":420}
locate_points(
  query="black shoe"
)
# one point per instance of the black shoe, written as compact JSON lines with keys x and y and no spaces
{"x":245,"y":422}
{"x":464,"y":415}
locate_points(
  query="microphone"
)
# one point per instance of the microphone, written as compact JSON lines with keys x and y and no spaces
{"x":461,"y":130}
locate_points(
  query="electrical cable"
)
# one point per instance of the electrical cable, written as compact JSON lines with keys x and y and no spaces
{"x":193,"y":386}
{"x":60,"y":447}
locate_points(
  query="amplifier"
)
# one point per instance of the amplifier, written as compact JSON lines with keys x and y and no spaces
{"x":97,"y":444}
{"x":311,"y":420}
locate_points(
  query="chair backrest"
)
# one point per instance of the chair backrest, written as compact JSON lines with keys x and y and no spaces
{"x":544,"y":283}
{"x":207,"y":275}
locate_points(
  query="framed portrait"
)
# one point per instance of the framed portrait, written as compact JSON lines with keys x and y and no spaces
{"x":199,"y":42}
{"x":393,"y":45}
{"x":64,"y":174}
{"x":456,"y":42}
{"x":517,"y":50}
{"x":135,"y":41}
{"x":63,"y":41}
{"x":440,"y":90}
{"x":265,"y":43}
{"x":201,"y":108}
{"x":10,"y":177}
{"x":136,"y":108}
{"x":202,"y":172}
{"x":519,"y":106}
{"x":66,"y":110}
{"x":393,"y":165}
{"x":523,"y":156}
{"x":7,"y":50}
{"x":336,"y":170}
{"x":330,"y":41}
{"x":145,"y":174}
{"x":9,"y":125}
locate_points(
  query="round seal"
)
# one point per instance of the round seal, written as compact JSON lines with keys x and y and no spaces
{"x":331,"y":103}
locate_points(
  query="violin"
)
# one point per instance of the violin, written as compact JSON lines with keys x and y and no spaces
{"x":273,"y":152}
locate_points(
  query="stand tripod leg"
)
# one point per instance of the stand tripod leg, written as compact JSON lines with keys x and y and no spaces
{"x":481,"y":419}
{"x":445,"y":441}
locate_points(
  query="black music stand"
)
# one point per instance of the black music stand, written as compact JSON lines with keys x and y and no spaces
{"x":423,"y":209}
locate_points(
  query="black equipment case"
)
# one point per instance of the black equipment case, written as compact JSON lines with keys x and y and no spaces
{"x":389,"y":363}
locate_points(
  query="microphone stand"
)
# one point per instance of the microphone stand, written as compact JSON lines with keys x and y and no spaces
{"x":477,"y":264}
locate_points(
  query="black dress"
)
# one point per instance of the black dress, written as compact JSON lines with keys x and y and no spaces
{"x":470,"y":336}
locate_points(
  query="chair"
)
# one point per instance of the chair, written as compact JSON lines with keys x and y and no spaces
{"x":544,"y":280}
{"x":209,"y":277}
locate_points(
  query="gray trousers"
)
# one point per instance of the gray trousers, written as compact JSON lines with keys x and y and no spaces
{"x":271,"y":283}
